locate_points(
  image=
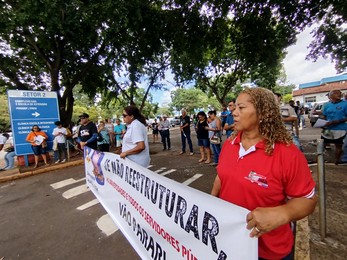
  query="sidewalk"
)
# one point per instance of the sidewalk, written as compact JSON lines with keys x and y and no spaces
{"x":22,"y":171}
{"x":334,"y":246}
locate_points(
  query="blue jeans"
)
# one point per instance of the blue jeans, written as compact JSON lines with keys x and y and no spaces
{"x":9,"y":160}
{"x":301,"y":119}
{"x":185,"y":136}
{"x":296,"y":141}
{"x":216,"y":148}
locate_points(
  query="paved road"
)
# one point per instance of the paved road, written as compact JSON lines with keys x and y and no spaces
{"x":40,"y":219}
{"x":55,"y":216}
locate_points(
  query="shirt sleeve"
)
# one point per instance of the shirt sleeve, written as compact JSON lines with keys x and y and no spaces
{"x":138,"y":134}
{"x":297,"y":179}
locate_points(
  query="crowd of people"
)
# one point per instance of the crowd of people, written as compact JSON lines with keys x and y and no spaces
{"x":209,"y":130}
{"x":260,"y":166}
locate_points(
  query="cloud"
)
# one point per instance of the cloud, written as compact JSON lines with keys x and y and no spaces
{"x":298,"y":69}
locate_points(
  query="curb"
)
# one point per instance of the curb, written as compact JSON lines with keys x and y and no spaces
{"x":19,"y":175}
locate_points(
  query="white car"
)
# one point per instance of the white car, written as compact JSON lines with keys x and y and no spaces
{"x":317,"y":107}
{"x":175,"y":121}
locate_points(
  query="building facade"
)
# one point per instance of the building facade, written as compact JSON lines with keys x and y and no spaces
{"x":312,"y":92}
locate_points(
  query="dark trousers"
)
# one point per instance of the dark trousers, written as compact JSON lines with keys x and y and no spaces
{"x":165,"y":137}
{"x":104,"y":147}
{"x":62,"y":150}
{"x":186,"y":136}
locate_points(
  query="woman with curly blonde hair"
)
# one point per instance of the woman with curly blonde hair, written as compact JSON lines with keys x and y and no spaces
{"x":271,"y":126}
{"x":262,"y":170}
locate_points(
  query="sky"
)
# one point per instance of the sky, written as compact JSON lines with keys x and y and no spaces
{"x":298,"y":69}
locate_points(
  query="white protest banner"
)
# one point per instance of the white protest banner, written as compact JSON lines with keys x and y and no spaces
{"x":163,"y":219}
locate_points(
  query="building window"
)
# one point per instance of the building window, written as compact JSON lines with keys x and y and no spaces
{"x":310,"y":99}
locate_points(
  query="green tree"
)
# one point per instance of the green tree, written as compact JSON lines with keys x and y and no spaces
{"x":192,"y":99}
{"x":330,"y":36}
{"x":55,"y":45}
{"x":248,"y":46}
{"x":165,"y":111}
{"x":4,"y":114}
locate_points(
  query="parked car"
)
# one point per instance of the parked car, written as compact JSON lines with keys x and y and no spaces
{"x":175,"y":121}
{"x":317,"y":107}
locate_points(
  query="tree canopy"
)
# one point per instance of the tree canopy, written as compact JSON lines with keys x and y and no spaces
{"x":114,"y":47}
{"x":192,"y":99}
{"x":330,"y":36}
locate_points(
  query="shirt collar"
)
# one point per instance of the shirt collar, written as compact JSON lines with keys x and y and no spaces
{"x":237,"y":141}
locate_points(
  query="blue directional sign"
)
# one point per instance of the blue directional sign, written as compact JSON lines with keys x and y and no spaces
{"x":28,"y":108}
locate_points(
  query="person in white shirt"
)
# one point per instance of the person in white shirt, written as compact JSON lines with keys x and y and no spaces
{"x":110,"y":127}
{"x":164,"y":127}
{"x":135,"y":141}
{"x":60,"y":137}
{"x":290,"y":120}
{"x":3,"y":140}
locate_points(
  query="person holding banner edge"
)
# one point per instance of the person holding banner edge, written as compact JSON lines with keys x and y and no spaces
{"x":87,"y":133}
{"x":262,"y":170}
{"x":135,"y":141}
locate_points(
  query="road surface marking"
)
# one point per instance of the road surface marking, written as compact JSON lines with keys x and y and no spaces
{"x":167,"y":172}
{"x":75,"y":191}
{"x":64,"y":183}
{"x":106,"y":225}
{"x":160,"y":169}
{"x":88,"y":204}
{"x":190,"y":180}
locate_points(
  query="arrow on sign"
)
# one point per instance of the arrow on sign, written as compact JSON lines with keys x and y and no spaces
{"x":35,"y":114}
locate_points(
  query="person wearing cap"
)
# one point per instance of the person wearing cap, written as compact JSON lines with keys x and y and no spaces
{"x":164,"y":126}
{"x":87,"y":133}
{"x":60,"y":134}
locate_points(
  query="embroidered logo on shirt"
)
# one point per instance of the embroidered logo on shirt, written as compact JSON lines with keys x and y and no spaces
{"x":257,"y":178}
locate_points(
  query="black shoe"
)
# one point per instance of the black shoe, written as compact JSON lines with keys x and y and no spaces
{"x":164,"y":149}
